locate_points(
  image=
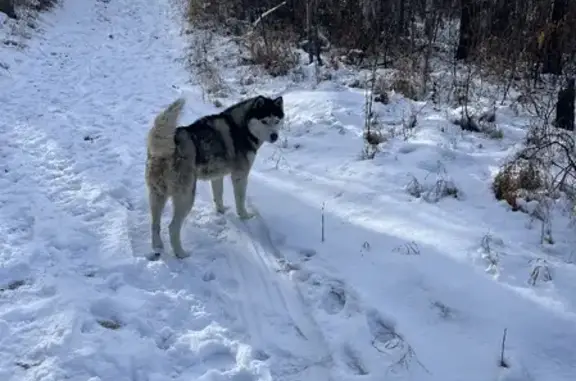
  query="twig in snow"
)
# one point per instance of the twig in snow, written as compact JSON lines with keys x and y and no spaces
{"x":323,"y":206}
{"x":503,"y":362}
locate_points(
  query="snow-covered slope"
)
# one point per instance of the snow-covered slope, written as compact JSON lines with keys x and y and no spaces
{"x":397,"y":290}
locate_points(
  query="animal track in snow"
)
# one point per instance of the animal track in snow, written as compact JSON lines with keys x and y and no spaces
{"x":104,"y":311}
{"x":353,"y":361}
{"x":331,"y":295}
{"x":259,"y":354}
{"x":388,"y":341}
{"x":208,"y":276}
{"x":382,"y":330}
{"x":14,"y":285}
{"x":334,"y":299}
{"x":307,"y":254}
{"x":165,"y":338}
{"x":442,"y":309}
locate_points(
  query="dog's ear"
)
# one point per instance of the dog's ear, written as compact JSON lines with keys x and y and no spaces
{"x":279,"y":102}
{"x":259,"y":101}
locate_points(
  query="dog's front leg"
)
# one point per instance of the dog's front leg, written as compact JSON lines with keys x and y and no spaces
{"x":218,"y":195}
{"x":240,"y":183}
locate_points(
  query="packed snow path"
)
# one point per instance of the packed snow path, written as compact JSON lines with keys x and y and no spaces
{"x":74,"y":224}
{"x":262,"y":300}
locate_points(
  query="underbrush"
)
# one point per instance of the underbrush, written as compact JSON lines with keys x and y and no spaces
{"x":267,"y":45}
{"x":540,"y":177}
{"x":22,"y":18}
{"x":25,"y":9}
{"x":271,"y":49}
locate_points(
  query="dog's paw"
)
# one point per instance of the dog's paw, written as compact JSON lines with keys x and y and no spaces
{"x":246,"y":215}
{"x":221,"y":209}
{"x":181,"y":254}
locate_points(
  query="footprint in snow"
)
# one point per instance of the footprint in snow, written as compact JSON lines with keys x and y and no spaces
{"x":408,"y":148}
{"x":260,"y":354}
{"x":383,"y":331}
{"x":13,"y":285}
{"x":353,"y":361}
{"x":208,"y":276}
{"x":105,"y":314}
{"x":165,"y":338}
{"x":307,"y":254}
{"x":14,"y":277}
{"x":334,"y":298}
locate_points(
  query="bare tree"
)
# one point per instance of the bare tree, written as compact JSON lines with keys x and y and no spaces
{"x":466,"y":39}
{"x":553,"y":50}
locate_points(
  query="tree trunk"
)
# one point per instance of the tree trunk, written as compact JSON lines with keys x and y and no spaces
{"x":501,"y":14}
{"x":466,"y":33}
{"x":565,"y":107}
{"x":552,"y":57}
{"x":401,"y":29}
{"x":7,"y":6}
{"x":314,"y":43}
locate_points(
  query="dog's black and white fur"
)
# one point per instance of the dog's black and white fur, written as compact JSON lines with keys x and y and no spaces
{"x":208,"y":149}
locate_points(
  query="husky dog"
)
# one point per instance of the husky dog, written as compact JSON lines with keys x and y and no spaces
{"x":210,"y":148}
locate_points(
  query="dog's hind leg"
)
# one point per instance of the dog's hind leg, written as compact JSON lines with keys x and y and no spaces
{"x":182,"y":201}
{"x":157,"y":202}
{"x":240,"y":183}
{"x":218,"y":194}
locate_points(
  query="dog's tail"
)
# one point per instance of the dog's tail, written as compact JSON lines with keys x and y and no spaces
{"x":161,"y":135}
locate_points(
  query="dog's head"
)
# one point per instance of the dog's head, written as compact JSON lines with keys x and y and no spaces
{"x":265,"y":118}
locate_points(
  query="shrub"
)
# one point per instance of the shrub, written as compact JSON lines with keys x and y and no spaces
{"x":518,"y":179}
{"x":273,"y":51}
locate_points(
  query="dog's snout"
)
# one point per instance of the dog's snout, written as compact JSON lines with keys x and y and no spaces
{"x":273,"y":137}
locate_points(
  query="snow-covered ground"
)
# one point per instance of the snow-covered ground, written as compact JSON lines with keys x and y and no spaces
{"x":402,"y":288}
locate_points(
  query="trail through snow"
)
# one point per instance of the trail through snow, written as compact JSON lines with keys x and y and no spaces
{"x":74,"y":224}
{"x":397,"y":291}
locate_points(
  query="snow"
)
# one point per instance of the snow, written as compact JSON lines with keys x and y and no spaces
{"x":402,"y":287}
